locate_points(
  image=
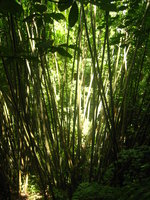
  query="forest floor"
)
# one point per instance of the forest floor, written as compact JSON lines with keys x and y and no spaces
{"x":23,"y":196}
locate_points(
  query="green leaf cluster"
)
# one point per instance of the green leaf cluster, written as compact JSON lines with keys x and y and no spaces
{"x":94,"y":191}
{"x":132,"y":166}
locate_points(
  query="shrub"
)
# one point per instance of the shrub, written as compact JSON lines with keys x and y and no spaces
{"x":94,"y":191}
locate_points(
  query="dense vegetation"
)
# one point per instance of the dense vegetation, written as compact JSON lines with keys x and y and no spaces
{"x":74,"y":99}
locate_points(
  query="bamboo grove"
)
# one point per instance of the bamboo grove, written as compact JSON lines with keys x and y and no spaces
{"x":74,"y":89}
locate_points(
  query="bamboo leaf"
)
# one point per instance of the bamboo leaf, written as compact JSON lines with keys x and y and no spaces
{"x":73,"y":15}
{"x":64,"y":4}
{"x":47,"y":18}
{"x":71,"y":46}
{"x":61,"y":51}
{"x":44,"y":45}
{"x":56,"y":16}
{"x":40,"y":7}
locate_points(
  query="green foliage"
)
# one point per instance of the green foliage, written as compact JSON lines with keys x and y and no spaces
{"x":61,"y":51}
{"x":60,"y":194}
{"x":108,"y":6}
{"x":33,"y":187}
{"x":44,"y":45}
{"x":56,"y":16}
{"x":40,"y":7}
{"x":71,"y":46}
{"x":73,"y":15}
{"x":136,"y":191}
{"x":51,"y":106}
{"x":63,"y":4}
{"x":133,"y":166}
{"x":94,"y":191}
{"x":29,"y":18}
{"x":48,"y":18}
